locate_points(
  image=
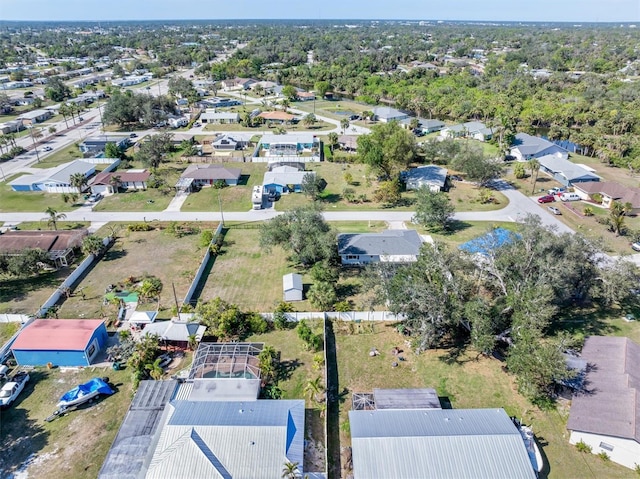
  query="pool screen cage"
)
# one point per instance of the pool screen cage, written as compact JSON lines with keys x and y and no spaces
{"x":226,"y":360}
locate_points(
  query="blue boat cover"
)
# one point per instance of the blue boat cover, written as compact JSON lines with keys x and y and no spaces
{"x":95,"y":384}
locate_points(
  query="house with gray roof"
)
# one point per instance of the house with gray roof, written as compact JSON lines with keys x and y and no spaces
{"x":607,"y":415}
{"x":285,"y":179}
{"x":471,"y":129}
{"x":386,"y":114}
{"x":54,"y":180}
{"x":35,"y":116}
{"x":219,"y":117}
{"x":429,"y":176}
{"x":231,"y":141}
{"x":564,"y":171}
{"x":437,"y":443}
{"x":390,"y":246}
{"x":526,"y":147}
{"x":208,"y":174}
{"x":230,"y":439}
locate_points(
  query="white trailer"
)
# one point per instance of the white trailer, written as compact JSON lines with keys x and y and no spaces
{"x":256,"y":197}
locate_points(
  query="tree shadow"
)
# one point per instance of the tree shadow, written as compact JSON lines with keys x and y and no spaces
{"x":21,"y":436}
{"x":344,"y":291}
{"x":590,"y":322}
{"x":454,"y":353}
{"x":456,"y":227}
{"x":17,"y":289}
{"x":244,"y":180}
{"x":286,"y":368}
{"x":330,"y":198}
{"x":114,"y":254}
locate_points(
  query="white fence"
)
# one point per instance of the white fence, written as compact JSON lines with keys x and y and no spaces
{"x":203,"y":264}
{"x":356,"y":316}
{"x":69,"y":281}
{"x":103,"y":161}
{"x":13,"y":318}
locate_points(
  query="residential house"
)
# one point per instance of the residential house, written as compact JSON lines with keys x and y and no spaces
{"x":35,"y":116}
{"x":385,"y":114}
{"x":232,"y":141}
{"x":219,"y":117}
{"x":268,"y":87}
{"x":526,"y":147}
{"x":284,"y":179}
{"x":106,"y":183}
{"x":437,"y":444}
{"x":60,"y":246}
{"x":54,"y":180}
{"x":12,"y":126}
{"x":471,"y":129}
{"x":292,"y":287}
{"x":610,"y":192}
{"x":564,"y":171}
{"x":198,"y":175}
{"x":606,"y":415}
{"x":430,"y":126}
{"x":218,"y":102}
{"x":276,"y":117}
{"x":237,"y":84}
{"x":175,"y":333}
{"x":288,"y":144}
{"x":177,"y":121}
{"x":60,"y":342}
{"x":348,"y":142}
{"x":390,"y":246}
{"x":131,"y":80}
{"x":97,"y":144}
{"x":430,"y":176}
{"x":305,"y":96}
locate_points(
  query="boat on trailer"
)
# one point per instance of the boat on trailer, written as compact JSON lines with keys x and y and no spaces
{"x":84,"y":393}
{"x":530,"y":443}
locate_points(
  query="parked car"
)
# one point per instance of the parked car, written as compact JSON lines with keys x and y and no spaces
{"x":12,"y":389}
{"x":80,"y":119}
{"x":557,"y":190}
{"x":554,"y":210}
{"x":570,"y":197}
{"x":546,"y":199}
{"x":635,"y":246}
{"x":197,"y":124}
{"x":133,"y":135}
{"x":47,"y":148}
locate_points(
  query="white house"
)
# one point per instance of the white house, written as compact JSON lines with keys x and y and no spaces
{"x":526,"y":147}
{"x":54,"y":180}
{"x":219,"y":117}
{"x":605,"y":416}
{"x":430,"y":176}
{"x":390,"y":246}
{"x":387,"y":114}
{"x":471,"y":129}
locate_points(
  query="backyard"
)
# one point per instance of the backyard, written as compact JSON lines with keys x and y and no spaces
{"x":73,"y":445}
{"x":232,"y":198}
{"x":265,"y":128}
{"x":462,"y":380}
{"x":29,"y":201}
{"x":158,"y":252}
{"x":27,"y":295}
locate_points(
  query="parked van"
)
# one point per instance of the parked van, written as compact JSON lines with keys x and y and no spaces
{"x":570,"y":197}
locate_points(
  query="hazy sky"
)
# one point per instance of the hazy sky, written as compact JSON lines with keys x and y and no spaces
{"x":497,"y":10}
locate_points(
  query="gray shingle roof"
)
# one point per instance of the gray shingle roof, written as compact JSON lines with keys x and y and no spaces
{"x":426,"y":175}
{"x":611,"y":405}
{"x":389,"y":242}
{"x":530,"y":145}
{"x":388,"y":113}
{"x":437,"y":443}
{"x":211,"y":172}
{"x":558,"y":164}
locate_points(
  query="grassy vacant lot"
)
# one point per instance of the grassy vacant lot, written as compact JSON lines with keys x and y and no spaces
{"x":233,"y":198}
{"x":64,"y":155}
{"x":158,"y":253}
{"x":464,"y":196}
{"x":463,"y":380}
{"x":62,"y":225}
{"x":332,"y":109}
{"x":25,"y":296}
{"x":74,"y":445}
{"x":17,"y":201}
{"x":292,"y":127}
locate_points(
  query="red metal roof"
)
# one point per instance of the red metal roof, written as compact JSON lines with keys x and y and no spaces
{"x":57,"y":334}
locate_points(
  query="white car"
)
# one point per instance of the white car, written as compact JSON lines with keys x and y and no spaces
{"x":635,"y":246}
{"x":11,"y":390}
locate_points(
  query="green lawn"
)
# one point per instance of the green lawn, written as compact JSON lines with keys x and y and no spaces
{"x":464,"y":196}
{"x":61,"y":225}
{"x":59,"y":157}
{"x":465,"y":381}
{"x":330,"y":109}
{"x":463,"y":231}
{"x":29,"y":201}
{"x":7,"y":330}
{"x":74,"y":445}
{"x":293,"y":127}
{"x":173,"y":260}
{"x":27,"y":295}
{"x":233,"y":198}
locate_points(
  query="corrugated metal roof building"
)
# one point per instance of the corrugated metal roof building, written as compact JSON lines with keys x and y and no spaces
{"x":239,"y":440}
{"x":437,"y":443}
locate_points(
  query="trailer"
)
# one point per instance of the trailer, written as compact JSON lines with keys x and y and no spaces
{"x":257,"y":197}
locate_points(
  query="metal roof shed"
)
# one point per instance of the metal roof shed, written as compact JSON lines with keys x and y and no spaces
{"x":292,"y":287}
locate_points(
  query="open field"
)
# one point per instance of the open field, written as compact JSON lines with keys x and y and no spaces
{"x":64,"y":155}
{"x":463,"y":195}
{"x":28,"y":201}
{"x":74,"y":445}
{"x":233,"y":198}
{"x":462,"y":380}
{"x":332,"y":109}
{"x":291,"y":127}
{"x":158,"y":253}
{"x":26,"y":295}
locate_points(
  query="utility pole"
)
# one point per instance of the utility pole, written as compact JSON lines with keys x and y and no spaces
{"x":175,"y":298}
{"x":34,"y":143}
{"x":220,"y":204}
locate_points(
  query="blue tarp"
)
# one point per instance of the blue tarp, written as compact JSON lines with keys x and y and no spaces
{"x":492,"y":240}
{"x":95,"y":384}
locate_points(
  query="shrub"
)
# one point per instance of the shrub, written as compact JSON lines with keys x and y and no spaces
{"x":583,"y":446}
{"x":604,"y":456}
{"x":312,"y":341}
{"x":281,"y":321}
{"x":588,"y":211}
{"x":206,"y":237}
{"x":597,"y":197}
{"x":139,"y":227}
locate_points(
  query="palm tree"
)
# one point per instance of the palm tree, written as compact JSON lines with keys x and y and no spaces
{"x":115,"y":181}
{"x":534,"y":166}
{"x":155,"y":371}
{"x":192,"y":342}
{"x":79,"y":181}
{"x":332,"y":139}
{"x":313,"y":388}
{"x":344,"y":124}
{"x":285,"y":104}
{"x":52,"y":130}
{"x":53,"y":217}
{"x":309,"y":120}
{"x":64,"y":111}
{"x":290,"y":470}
